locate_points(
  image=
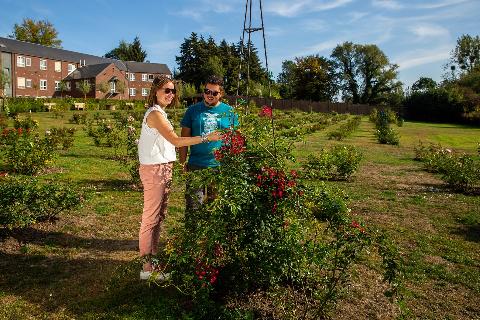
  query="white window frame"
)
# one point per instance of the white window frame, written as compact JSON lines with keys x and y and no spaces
{"x":57,"y":85}
{"x":28,"y":61}
{"x":71,"y":68}
{"x":151,"y":77}
{"x":43,"y":84}
{"x":20,"y":82}
{"x":132,"y":92}
{"x":144,"y":77}
{"x":131,"y":76}
{"x":69,"y":86}
{"x":43,"y":64}
{"x":28,"y":83}
{"x":58,"y":66}
{"x":144,"y":92}
{"x":21,"y":61}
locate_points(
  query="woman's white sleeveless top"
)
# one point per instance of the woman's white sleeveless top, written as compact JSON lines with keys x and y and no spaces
{"x":153,"y":148}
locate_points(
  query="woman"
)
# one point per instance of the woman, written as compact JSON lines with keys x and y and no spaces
{"x":156,"y":152}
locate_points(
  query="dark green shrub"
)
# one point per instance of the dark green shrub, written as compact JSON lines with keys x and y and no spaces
{"x":384,"y":133}
{"x":336,"y":163}
{"x":28,"y":153}
{"x":62,"y":138}
{"x":25,"y":201}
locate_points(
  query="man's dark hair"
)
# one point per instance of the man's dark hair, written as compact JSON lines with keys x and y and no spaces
{"x":215,"y":80}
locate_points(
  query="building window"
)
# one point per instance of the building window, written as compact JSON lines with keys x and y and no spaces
{"x":133,"y":92}
{"x":150,"y":77}
{"x":144,"y":77}
{"x":113,"y":88}
{"x":69,"y":85}
{"x":28,"y":62}
{"x":144,"y":92}
{"x":43,"y":64}
{"x":58,"y":66}
{"x":20,"y":61}
{"x":71,"y":68}
{"x":57,"y":85}
{"x":43,"y":84}
{"x":20,"y":83}
{"x":132,"y":76}
{"x":28,"y":83}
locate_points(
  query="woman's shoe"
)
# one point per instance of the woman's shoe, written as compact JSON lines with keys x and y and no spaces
{"x":154,"y":275}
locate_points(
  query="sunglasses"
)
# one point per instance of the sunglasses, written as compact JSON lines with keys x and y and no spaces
{"x":213,"y":93}
{"x":168,"y":90}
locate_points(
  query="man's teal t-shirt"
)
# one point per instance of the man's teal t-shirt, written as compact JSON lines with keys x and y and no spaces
{"x":203,"y":120}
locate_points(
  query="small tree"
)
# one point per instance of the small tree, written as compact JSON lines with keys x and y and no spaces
{"x":62,"y":86}
{"x":103,"y":87}
{"x":4,"y":82}
{"x":85,"y":88}
{"x":120,"y":85}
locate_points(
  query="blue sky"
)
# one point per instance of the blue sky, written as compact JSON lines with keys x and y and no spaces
{"x":418,"y":35}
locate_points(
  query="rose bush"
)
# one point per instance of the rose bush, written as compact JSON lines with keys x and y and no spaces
{"x":267,"y":231}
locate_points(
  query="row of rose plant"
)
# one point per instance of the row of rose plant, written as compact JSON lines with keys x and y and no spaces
{"x":268,"y":232}
{"x":338,"y":162}
{"x":458,"y":170}
{"x":25,"y":152}
{"x":345,"y":129}
{"x":384,"y":133}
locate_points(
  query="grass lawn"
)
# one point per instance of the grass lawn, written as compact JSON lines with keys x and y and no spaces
{"x":63,"y":270}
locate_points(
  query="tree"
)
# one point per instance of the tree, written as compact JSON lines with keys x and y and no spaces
{"x":286,"y":79}
{"x":314,"y":79}
{"x":103,"y":87}
{"x":365,"y":73}
{"x":200,"y":58}
{"x":466,"y":54}
{"x":4,"y":82}
{"x":424,"y":84}
{"x":40,"y":32}
{"x":85,"y":88}
{"x":62,"y":86}
{"x":128,"y":51}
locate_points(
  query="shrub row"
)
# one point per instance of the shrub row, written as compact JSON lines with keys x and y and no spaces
{"x":336,"y":163}
{"x":345,"y":129}
{"x":25,"y":201}
{"x":19,"y":105}
{"x":459,"y":170}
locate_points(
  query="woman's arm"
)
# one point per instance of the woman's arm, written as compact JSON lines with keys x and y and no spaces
{"x":157,"y":121}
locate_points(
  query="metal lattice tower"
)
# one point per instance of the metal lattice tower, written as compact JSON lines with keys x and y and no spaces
{"x":249,"y":30}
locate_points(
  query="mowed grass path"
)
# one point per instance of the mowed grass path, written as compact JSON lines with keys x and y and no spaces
{"x":63,"y":269}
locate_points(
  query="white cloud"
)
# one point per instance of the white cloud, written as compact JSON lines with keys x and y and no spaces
{"x":422,"y":57}
{"x":314,"y":25}
{"x":440,"y":4}
{"x":356,"y":15}
{"x":387,"y":4}
{"x":286,"y":9}
{"x":428,"y":31}
{"x":289,"y":9}
{"x":319,"y":48}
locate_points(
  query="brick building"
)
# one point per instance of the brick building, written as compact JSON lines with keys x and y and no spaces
{"x":39,"y":71}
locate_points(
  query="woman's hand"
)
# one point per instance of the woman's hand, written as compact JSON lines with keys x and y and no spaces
{"x":215,"y":136}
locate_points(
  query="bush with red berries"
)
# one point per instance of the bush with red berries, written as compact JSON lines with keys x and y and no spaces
{"x":268,"y":231}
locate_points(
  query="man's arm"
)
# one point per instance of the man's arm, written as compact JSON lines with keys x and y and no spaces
{"x":182,"y":152}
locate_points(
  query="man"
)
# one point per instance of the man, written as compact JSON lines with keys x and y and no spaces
{"x":200,"y":119}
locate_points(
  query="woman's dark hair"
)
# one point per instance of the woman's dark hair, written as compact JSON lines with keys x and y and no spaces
{"x":158,"y":83}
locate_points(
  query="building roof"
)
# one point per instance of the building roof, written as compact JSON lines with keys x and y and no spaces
{"x":37,"y":50}
{"x":88,"y":71}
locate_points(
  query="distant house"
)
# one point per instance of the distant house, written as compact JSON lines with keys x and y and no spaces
{"x":38,"y":71}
